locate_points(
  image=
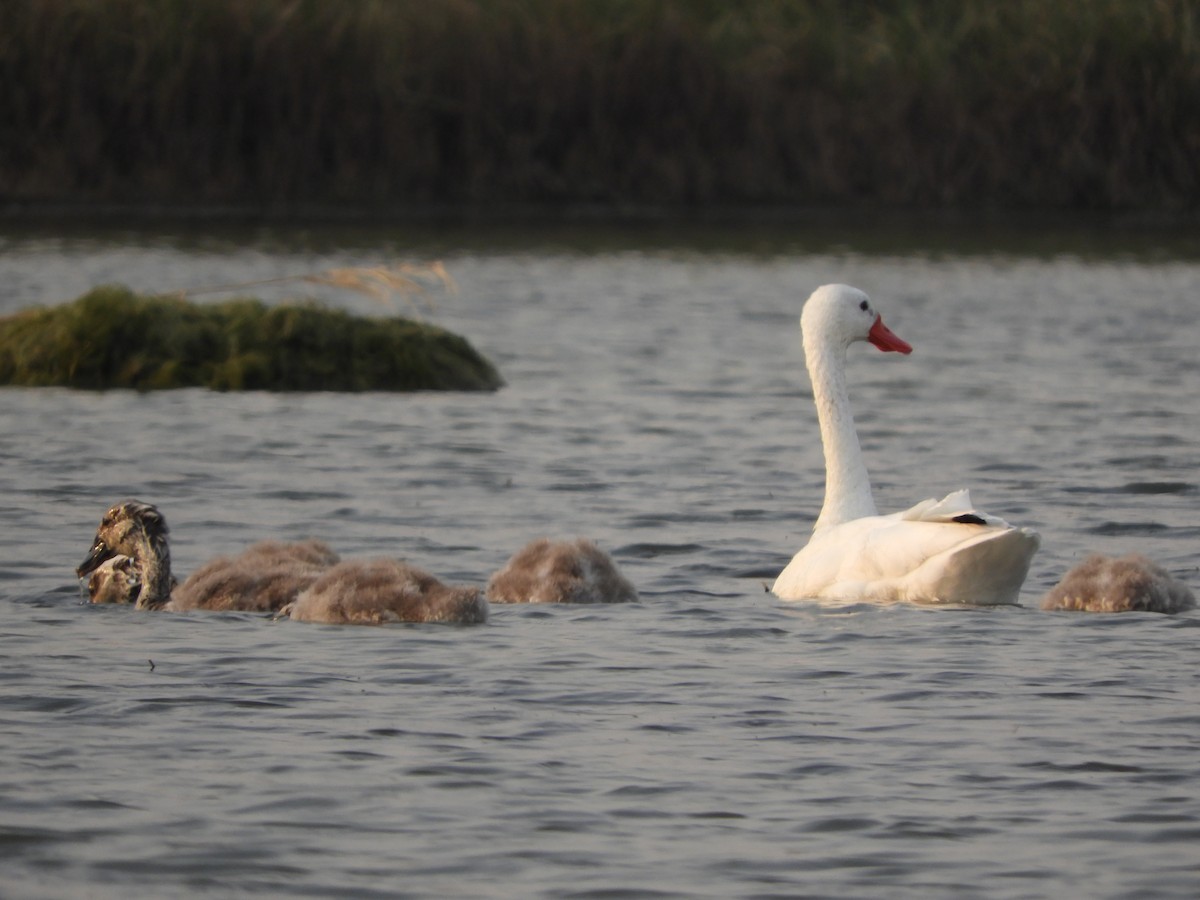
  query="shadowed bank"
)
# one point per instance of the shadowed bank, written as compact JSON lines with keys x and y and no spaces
{"x":1092,"y":105}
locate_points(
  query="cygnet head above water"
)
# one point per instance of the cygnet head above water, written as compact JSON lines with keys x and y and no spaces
{"x":127,"y":529}
{"x":116,"y":580}
{"x":840,"y":314}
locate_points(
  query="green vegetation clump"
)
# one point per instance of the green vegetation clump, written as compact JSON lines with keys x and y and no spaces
{"x":1092,"y":104}
{"x":114,"y":338}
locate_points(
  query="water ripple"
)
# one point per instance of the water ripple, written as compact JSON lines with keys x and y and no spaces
{"x":709,"y":741}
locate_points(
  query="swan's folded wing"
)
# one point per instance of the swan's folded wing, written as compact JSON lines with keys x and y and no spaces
{"x":892,"y":558}
{"x":841,"y":561}
{"x":954,"y":507}
{"x":895,"y":549}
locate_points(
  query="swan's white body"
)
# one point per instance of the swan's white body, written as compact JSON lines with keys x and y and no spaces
{"x":939,"y":551}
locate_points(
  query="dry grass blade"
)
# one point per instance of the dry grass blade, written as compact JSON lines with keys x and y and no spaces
{"x":384,"y":284}
{"x":438,"y":270}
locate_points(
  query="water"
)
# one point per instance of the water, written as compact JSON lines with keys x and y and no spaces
{"x":709,"y":741}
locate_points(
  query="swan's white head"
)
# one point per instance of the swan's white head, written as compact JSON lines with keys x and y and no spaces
{"x":838,"y":314}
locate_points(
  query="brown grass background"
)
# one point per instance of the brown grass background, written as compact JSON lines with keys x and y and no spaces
{"x":394,"y":105}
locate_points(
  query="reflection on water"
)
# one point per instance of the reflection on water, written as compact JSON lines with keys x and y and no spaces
{"x":708,"y":741}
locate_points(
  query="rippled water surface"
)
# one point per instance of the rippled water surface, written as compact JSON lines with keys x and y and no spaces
{"x":709,"y":741}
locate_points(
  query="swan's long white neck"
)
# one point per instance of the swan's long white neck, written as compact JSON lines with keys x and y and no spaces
{"x":847,"y":484}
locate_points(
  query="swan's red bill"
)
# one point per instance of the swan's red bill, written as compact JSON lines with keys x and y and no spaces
{"x":886,"y":339}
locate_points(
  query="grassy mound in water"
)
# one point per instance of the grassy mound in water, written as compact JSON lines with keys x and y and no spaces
{"x":114,"y":338}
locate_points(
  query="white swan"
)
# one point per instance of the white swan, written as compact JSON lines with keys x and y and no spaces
{"x":1123,"y":584}
{"x":940,"y":551}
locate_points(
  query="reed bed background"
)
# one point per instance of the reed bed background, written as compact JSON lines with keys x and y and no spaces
{"x":393,"y":104}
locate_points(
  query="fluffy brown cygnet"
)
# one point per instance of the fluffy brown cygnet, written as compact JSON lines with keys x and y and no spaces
{"x":115,"y":580}
{"x":263,"y":578}
{"x":379,"y":591}
{"x":548,"y":571}
{"x":1119,"y":584}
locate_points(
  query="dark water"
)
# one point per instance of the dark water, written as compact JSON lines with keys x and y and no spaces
{"x":709,"y":741}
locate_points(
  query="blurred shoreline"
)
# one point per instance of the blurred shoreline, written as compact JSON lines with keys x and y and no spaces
{"x":435,"y":230}
{"x":490,"y":106}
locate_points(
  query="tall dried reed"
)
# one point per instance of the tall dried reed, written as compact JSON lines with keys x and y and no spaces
{"x":1092,"y":104}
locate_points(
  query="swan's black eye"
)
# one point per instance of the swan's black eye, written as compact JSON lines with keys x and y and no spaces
{"x":864,"y":306}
